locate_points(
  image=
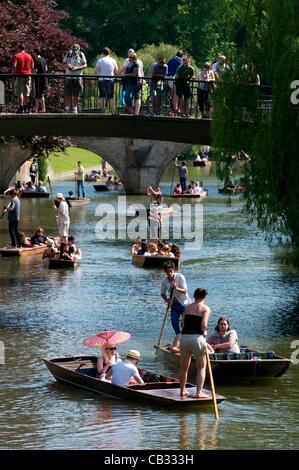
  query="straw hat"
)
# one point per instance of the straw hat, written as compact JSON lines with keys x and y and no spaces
{"x":50,"y":242}
{"x":59,"y":196}
{"x":134,"y":354}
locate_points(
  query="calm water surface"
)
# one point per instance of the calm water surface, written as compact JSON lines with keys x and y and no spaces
{"x":46,"y":312}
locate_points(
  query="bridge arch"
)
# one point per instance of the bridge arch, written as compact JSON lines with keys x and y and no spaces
{"x":137,"y":162}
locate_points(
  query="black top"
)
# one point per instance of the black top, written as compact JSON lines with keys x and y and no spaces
{"x":192,"y":325}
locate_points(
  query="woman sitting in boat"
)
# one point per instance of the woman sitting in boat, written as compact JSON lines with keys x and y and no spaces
{"x":73,"y":250}
{"x":38,"y":238}
{"x":161,"y":251}
{"x":178,"y":189}
{"x":153,"y":249}
{"x":108,"y":358}
{"x":136,"y":247}
{"x":25,"y":241}
{"x":40,"y":188}
{"x":175,"y":250}
{"x":51,"y":251}
{"x":224,"y":340}
{"x":143,"y":249}
{"x":30,"y":188}
{"x":168,"y":252}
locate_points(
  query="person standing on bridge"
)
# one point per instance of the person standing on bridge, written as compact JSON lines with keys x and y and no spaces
{"x":106,"y":68}
{"x":22,"y":64}
{"x":79,"y":175}
{"x":75,"y":62}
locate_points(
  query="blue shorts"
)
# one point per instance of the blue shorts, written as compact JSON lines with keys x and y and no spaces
{"x":177,"y":311}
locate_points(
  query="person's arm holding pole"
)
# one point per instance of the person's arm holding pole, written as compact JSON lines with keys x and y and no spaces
{"x":169,"y":302}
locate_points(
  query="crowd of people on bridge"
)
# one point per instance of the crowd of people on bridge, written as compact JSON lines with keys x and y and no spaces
{"x":177,"y":73}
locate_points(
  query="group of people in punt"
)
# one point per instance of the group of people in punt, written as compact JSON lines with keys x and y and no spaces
{"x":190,"y":323}
{"x":145,"y":248}
{"x":29,"y":187}
{"x":70,"y":251}
{"x":194,"y":187}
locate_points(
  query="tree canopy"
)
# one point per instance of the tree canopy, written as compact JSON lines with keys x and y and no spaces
{"x":265,"y":126}
{"x":36,"y":24}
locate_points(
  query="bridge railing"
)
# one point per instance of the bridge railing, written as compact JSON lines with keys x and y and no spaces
{"x":117,"y":99}
{"x":108,"y":95}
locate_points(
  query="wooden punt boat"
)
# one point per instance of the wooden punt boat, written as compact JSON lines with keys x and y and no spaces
{"x":231,"y":191}
{"x":154,"y":261}
{"x":33,"y":195}
{"x":189,"y":196}
{"x":77,"y":202}
{"x":103,"y":188}
{"x":201,"y":163}
{"x":35,"y":250}
{"x":62,"y":263}
{"x":80,"y":371}
{"x":247,"y":366}
{"x":96,"y":180}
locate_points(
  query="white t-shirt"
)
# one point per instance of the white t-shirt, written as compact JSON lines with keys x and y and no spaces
{"x":122,"y":373}
{"x":80,"y":173}
{"x":106,"y":66}
{"x":63,"y":213}
{"x":180,"y":281}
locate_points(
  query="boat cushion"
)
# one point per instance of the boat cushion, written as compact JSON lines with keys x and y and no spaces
{"x":243,"y":355}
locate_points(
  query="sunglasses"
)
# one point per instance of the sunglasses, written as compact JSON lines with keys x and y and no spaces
{"x":110,"y":349}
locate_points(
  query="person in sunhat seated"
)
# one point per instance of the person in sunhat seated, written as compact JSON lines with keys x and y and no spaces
{"x":51,"y":251}
{"x":122,"y":373}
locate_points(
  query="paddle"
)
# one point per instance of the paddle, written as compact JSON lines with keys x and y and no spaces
{"x":212,"y":383}
{"x":50,"y":187}
{"x":174,"y":168}
{"x":165,"y":316}
{"x":4,"y":212}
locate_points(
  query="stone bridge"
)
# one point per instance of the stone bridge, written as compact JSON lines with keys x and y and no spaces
{"x":139,"y":148}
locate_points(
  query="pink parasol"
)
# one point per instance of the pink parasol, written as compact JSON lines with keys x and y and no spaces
{"x":106,"y":338}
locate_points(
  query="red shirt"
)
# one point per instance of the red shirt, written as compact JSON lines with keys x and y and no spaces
{"x":23,"y":63}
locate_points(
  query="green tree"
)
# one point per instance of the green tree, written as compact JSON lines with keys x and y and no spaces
{"x":241,"y":119}
{"x":119,"y":24}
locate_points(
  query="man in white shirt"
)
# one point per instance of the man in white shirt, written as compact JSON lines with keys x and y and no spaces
{"x":75,"y":62}
{"x":122,"y":372}
{"x":106,"y":67}
{"x":63,"y":220}
{"x":174,"y":291}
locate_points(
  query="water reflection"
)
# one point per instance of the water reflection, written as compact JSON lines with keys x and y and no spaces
{"x":45,"y":312}
{"x":199,"y":433}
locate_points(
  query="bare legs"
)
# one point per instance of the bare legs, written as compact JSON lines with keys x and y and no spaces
{"x":200,"y":377}
{"x":184,"y":367}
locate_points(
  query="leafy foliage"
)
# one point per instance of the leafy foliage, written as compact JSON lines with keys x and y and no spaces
{"x":36,"y":24}
{"x":243,"y":120}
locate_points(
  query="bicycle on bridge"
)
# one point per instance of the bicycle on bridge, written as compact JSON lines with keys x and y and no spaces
{"x":159,"y":102}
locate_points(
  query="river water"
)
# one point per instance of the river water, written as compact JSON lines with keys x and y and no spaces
{"x":45,"y":312}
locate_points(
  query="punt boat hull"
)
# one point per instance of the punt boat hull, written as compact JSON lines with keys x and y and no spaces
{"x":35,"y":250}
{"x":232,"y":370}
{"x":34,"y":195}
{"x":80,"y":371}
{"x":78,"y":202}
{"x":62,"y":264}
{"x":153,"y":261}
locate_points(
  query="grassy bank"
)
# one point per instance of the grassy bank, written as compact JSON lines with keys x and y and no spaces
{"x":61,"y":162}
